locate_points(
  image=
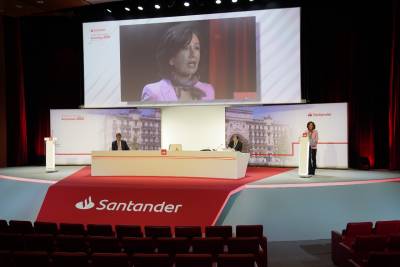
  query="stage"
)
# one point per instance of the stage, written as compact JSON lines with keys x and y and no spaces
{"x":289,"y":207}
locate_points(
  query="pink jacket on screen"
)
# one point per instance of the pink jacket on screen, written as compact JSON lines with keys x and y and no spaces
{"x":163,"y":90}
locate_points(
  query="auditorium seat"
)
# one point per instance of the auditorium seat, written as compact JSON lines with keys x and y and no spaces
{"x":347,"y":236}
{"x":188,"y":231}
{"x":151,"y":260}
{"x":71,"y":243}
{"x":393,"y":243}
{"x":39,"y":242}
{"x":173,"y":246}
{"x":387,"y":227}
{"x":72,"y":229}
{"x":361,"y":248}
{"x":70,"y":259}
{"x":249,"y":231}
{"x":11,"y":241}
{"x":243,"y":245}
{"x":20,"y":227}
{"x":379,"y":259}
{"x":104,"y":244}
{"x":138,"y":245}
{"x":208,"y":245}
{"x":99,"y":230}
{"x":128,"y":231}
{"x":157,"y":231}
{"x":236,"y":260}
{"x":31,"y":258}
{"x":6,"y":258}
{"x":193,"y":260}
{"x":3,"y":226}
{"x":224,"y":231}
{"x":45,"y":228}
{"x":110,"y":260}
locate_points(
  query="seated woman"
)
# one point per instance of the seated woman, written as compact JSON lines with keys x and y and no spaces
{"x":178,"y":59}
{"x":235,"y":143}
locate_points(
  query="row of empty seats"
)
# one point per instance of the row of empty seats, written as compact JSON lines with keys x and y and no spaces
{"x":79,"y":259}
{"x":362,"y":244}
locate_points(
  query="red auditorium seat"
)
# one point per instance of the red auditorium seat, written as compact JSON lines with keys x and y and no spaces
{"x":99,"y":230}
{"x":347,"y":236}
{"x":71,"y":243}
{"x":20,"y":227}
{"x":6,"y":258}
{"x":11,"y":241}
{"x":236,"y":260}
{"x":151,"y":260}
{"x":3,"y":226}
{"x":224,"y":231}
{"x":104,"y":244}
{"x":249,"y":230}
{"x":208,"y":245}
{"x":387,"y":227}
{"x":128,"y":231}
{"x":173,"y":246}
{"x":243,"y":245}
{"x":188,"y":231}
{"x":72,"y":229}
{"x":39,"y":242}
{"x":31,"y":258}
{"x":193,"y":260}
{"x":394,"y":243}
{"x":157,"y":231}
{"x":138,"y":245}
{"x":45,"y":228}
{"x":110,"y":260}
{"x":379,"y":259}
{"x":70,"y":259}
{"x":361,"y":248}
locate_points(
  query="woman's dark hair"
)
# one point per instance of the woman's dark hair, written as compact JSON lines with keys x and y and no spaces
{"x":176,"y":38}
{"x":311,"y":122}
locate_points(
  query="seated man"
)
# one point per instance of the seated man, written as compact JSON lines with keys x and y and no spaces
{"x":119,"y":144}
{"x":235,"y":143}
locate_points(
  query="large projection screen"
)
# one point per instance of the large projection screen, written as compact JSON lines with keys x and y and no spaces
{"x":237,"y":57}
{"x":271,"y":133}
{"x":81,"y":131}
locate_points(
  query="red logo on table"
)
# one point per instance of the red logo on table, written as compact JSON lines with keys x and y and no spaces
{"x":163,"y":152}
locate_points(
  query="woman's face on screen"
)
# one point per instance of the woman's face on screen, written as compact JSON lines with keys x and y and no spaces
{"x":186,"y":61}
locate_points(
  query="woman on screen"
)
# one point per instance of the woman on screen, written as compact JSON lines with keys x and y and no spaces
{"x":178,"y":59}
{"x":313,"y":138}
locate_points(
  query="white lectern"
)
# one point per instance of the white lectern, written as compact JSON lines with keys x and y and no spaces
{"x":50,"y":154}
{"x":304,"y":150}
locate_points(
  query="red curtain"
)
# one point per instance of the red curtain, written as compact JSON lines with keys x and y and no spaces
{"x":232,"y":56}
{"x":394,"y":92}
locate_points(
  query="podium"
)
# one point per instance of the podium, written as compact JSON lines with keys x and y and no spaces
{"x":50,"y":154}
{"x":304,"y":150}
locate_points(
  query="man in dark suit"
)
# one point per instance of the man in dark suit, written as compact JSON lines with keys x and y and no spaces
{"x":119,"y":144}
{"x":235,"y":143}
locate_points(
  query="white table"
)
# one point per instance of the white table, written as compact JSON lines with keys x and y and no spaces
{"x":213,"y":164}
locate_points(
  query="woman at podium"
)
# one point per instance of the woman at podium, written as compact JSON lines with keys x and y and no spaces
{"x":312,"y":135}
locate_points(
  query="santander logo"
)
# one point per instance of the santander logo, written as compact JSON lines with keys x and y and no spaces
{"x":130,"y":206}
{"x":86,"y":204}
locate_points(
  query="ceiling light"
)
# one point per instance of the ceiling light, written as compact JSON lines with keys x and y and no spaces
{"x":109,"y":10}
{"x":157,"y":6}
{"x":140,"y":8}
{"x":234,"y":1}
{"x":186,"y":4}
{"x":127,"y":9}
{"x":218,"y":2}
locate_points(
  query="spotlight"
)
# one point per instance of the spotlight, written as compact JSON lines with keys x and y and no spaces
{"x":218,"y":2}
{"x":109,"y":10}
{"x":127,"y":9}
{"x":140,"y":8}
{"x":234,"y":1}
{"x":251,"y":0}
{"x":186,"y":4}
{"x":157,"y":6}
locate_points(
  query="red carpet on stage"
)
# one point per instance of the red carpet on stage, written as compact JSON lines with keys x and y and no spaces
{"x":82,"y":198}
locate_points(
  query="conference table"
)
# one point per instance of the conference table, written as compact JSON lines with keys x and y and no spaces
{"x":210,"y":164}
